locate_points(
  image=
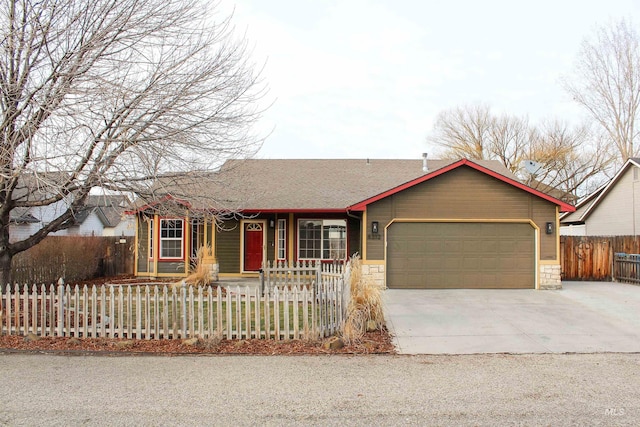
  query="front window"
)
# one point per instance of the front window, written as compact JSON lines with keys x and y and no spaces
{"x":282,"y":239}
{"x":171,"y":238}
{"x":322,"y":239}
{"x":151,"y":238}
{"x":197,"y":237}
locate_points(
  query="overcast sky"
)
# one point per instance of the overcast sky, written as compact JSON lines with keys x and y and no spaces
{"x":358,"y":79}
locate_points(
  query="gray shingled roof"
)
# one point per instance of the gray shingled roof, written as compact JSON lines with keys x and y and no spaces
{"x":581,"y":208}
{"x":22,"y":216}
{"x":109,"y":208}
{"x":309,"y":184}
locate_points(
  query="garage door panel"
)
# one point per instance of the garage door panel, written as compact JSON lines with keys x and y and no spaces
{"x":460,"y":255}
{"x":452,"y":246}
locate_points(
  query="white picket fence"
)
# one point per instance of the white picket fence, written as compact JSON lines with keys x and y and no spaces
{"x":175,"y":312}
{"x":282,"y":274}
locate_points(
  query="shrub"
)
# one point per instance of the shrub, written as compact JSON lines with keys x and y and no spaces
{"x":365,"y":306}
{"x":71,"y":257}
{"x":200,"y":272}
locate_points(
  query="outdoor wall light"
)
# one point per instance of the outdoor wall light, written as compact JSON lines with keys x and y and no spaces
{"x":272,"y":223}
{"x":549,"y":228}
{"x":374,"y":227}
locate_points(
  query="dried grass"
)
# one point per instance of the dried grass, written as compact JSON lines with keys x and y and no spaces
{"x":210,"y":343}
{"x":365,"y":305}
{"x":200,"y":272}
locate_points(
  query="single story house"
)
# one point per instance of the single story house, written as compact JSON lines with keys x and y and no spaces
{"x":416,"y":224}
{"x":611,"y":210}
{"x":102,"y":215}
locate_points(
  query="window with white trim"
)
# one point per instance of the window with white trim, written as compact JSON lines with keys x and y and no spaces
{"x":282,"y":239}
{"x":322,"y":239}
{"x":151,"y":255}
{"x":171,"y":238}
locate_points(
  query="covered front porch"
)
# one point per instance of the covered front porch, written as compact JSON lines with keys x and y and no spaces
{"x":238,"y":246}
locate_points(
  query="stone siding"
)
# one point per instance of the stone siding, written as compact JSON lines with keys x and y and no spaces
{"x":375,"y":272}
{"x":550,"y":276}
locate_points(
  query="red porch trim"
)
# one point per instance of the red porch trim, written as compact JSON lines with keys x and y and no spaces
{"x":294,"y":211}
{"x":157,"y":202}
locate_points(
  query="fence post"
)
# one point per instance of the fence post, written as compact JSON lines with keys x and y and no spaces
{"x":61,"y":307}
{"x":261,"y":272}
{"x":184,"y":309}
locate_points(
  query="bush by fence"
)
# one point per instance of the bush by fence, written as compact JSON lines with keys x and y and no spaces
{"x":74,"y":258}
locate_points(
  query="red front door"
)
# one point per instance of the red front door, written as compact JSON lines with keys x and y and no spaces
{"x":253,"y":246}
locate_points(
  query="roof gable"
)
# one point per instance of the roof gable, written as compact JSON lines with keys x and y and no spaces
{"x":564,"y":207}
{"x":590,"y":204}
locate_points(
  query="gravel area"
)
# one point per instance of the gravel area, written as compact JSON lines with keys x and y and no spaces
{"x":545,"y":389}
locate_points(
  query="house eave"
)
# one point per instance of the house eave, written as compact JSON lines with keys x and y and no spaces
{"x":361,"y":206}
{"x":151,"y":205}
{"x":297,"y":210}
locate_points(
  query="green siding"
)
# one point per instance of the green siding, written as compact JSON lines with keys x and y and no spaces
{"x":228,"y":246}
{"x":463,"y":193}
{"x":541,"y":213}
{"x":381,"y":211}
{"x":271,"y":238}
{"x":353,"y":236}
{"x":173,"y":267}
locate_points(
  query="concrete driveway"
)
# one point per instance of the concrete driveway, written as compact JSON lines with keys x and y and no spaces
{"x":583,"y":317}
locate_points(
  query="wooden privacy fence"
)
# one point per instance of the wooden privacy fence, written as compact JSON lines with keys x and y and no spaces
{"x":592,"y":257}
{"x":170,"y":312}
{"x":626,"y":267}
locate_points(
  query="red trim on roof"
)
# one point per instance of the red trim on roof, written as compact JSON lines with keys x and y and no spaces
{"x":250,"y":211}
{"x":257,"y":211}
{"x":361,"y":206}
{"x":157,"y":202}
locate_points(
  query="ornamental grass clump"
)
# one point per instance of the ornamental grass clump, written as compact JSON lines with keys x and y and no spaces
{"x":200,"y":272}
{"x":364,"y":311}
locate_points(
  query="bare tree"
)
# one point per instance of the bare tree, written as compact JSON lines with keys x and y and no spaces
{"x":509,"y":139}
{"x":110,"y":93}
{"x":573,"y":159}
{"x":464,"y":132}
{"x":606,"y":82}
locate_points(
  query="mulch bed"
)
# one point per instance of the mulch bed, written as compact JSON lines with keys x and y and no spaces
{"x":378,"y":342}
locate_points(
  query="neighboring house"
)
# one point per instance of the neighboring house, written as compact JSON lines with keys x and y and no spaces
{"x":463,"y":224}
{"x":612,"y":210}
{"x":103,"y":215}
{"x":22,"y":224}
